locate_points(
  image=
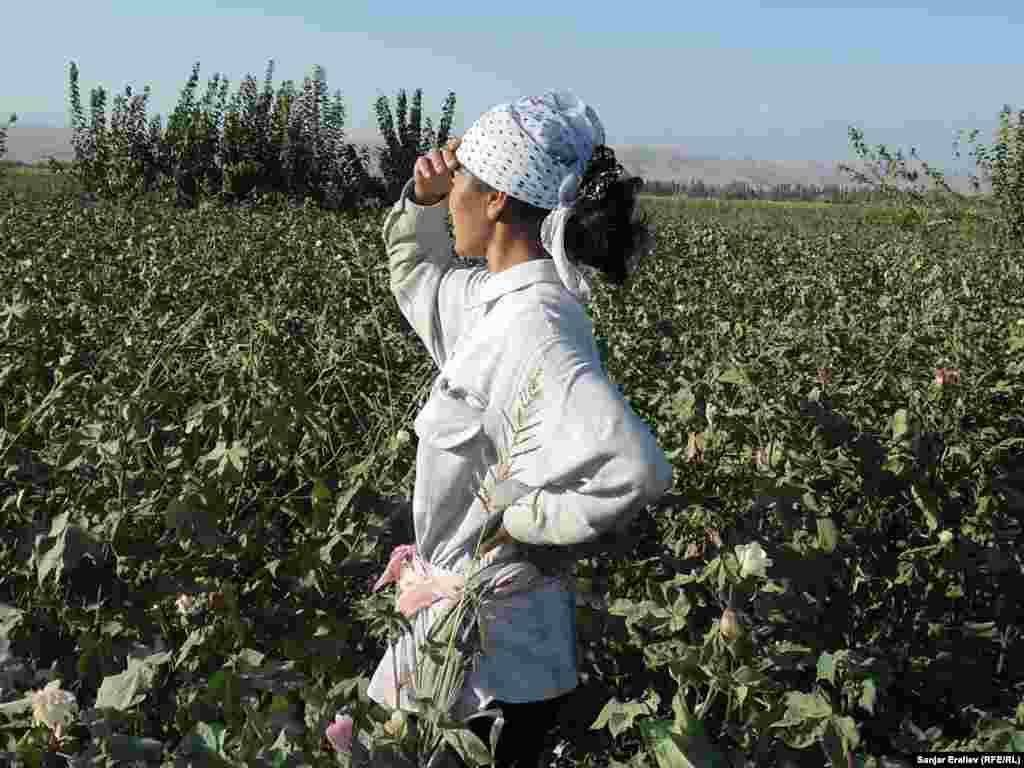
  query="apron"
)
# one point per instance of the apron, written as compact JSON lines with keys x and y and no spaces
{"x":521,"y":594}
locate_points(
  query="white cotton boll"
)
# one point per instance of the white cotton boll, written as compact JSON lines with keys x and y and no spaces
{"x":754,"y":561}
{"x":53,"y":707}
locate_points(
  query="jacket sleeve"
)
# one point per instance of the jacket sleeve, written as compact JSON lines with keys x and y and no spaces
{"x":430,"y":293}
{"x":596,"y":462}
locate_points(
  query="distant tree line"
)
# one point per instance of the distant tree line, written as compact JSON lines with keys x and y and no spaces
{"x":741,"y":190}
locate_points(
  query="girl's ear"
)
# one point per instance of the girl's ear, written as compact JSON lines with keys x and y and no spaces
{"x":495,"y":205}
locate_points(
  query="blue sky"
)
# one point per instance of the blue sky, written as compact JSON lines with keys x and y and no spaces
{"x":775,"y":79}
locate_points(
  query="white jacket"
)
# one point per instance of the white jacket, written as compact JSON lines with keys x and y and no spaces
{"x":594,"y":464}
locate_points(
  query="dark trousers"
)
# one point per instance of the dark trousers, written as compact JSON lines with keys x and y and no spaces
{"x":522,"y":737}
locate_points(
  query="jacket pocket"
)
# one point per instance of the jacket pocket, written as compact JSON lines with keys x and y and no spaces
{"x":451,"y":418}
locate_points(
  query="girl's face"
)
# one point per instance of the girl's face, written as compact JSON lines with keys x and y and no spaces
{"x":468,"y":208}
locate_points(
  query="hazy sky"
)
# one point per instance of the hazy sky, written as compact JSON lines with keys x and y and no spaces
{"x":776,"y":79}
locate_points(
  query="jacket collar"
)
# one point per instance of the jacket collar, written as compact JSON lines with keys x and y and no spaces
{"x":516,"y":278}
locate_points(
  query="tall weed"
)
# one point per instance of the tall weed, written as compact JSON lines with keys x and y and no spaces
{"x":936,"y":205}
{"x":291,"y":143}
{"x":3,"y":139}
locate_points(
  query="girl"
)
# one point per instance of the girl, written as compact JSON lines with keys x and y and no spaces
{"x":532,"y":189}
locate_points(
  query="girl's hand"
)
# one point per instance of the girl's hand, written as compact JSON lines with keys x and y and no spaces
{"x":433,"y":174}
{"x":501,"y":537}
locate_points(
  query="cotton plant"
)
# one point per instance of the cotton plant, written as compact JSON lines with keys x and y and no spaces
{"x":458,"y":635}
{"x":747,"y":562}
{"x":717,"y":668}
{"x":736,"y":572}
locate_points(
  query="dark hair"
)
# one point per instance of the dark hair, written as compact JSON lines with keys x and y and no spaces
{"x":603,"y":231}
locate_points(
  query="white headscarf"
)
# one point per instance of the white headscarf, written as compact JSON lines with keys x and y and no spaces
{"x":537,"y":150}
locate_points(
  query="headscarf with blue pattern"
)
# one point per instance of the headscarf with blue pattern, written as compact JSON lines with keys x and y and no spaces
{"x":537,"y":150}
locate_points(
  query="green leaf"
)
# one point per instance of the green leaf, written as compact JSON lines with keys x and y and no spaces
{"x":847,"y":729}
{"x":132,"y":748}
{"x":832,"y":742}
{"x":229,"y":459}
{"x":747,"y":675}
{"x":673,"y":748}
{"x":17,"y":707}
{"x":129,"y":688}
{"x":928,"y":503}
{"x":53,"y":560}
{"x":213,"y":736}
{"x":320,"y":494}
{"x":216,"y":681}
{"x":194,"y":640}
{"x":807,"y":734}
{"x":248,"y":658}
{"x":868,"y":694}
{"x":237,"y":454}
{"x":963,"y":451}
{"x":900,"y":424}
{"x":469,"y":746}
{"x":636,"y":613}
{"x":664,"y":745}
{"x":827,"y":667}
{"x":1015,"y":742}
{"x":191,"y":519}
{"x":685,"y":723}
{"x":828,"y":534}
{"x":279,"y":703}
{"x":801,"y":707}
{"x":684,"y":404}
{"x":980,"y":630}
{"x":346,"y":498}
{"x":736,"y":376}
{"x":983,"y":503}
{"x":742,"y":691}
{"x":619,"y":716}
{"x":788,"y":655}
{"x":810,"y":501}
{"x":840,"y":738}
{"x":206,"y":740}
